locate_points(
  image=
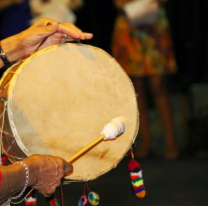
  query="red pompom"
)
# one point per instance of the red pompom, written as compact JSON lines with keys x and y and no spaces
{"x":3,"y":160}
{"x":133,"y":164}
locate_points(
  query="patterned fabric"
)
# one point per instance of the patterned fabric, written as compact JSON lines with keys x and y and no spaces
{"x":144,"y":50}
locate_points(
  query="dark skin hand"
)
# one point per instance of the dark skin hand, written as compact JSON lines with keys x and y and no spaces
{"x":45,"y":174}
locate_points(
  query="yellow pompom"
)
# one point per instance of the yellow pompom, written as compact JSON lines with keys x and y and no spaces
{"x":93,"y":198}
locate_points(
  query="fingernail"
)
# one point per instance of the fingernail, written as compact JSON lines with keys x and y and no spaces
{"x":49,"y":23}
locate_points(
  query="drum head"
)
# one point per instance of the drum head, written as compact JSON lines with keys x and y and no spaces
{"x":61,"y":97}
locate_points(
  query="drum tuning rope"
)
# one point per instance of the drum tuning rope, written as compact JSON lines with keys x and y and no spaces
{"x":2,"y":125}
{"x":4,"y":150}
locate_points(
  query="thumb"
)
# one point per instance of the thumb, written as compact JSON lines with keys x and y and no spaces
{"x":68,"y":168}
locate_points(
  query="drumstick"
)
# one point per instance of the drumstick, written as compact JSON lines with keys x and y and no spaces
{"x":110,"y":131}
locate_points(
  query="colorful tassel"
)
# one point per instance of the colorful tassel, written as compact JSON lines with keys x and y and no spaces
{"x":136,"y":177}
{"x":93,"y":198}
{"x":3,"y":159}
{"x":54,"y":202}
{"x":30,"y":201}
{"x":82,"y":201}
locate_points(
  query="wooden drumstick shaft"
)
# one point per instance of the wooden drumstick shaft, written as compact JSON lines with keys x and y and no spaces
{"x":97,"y":140}
{"x":110,"y":131}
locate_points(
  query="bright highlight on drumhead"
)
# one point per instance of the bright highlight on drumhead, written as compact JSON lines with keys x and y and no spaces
{"x":113,"y":128}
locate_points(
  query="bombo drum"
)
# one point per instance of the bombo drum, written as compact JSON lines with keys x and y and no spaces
{"x":59,"y":99}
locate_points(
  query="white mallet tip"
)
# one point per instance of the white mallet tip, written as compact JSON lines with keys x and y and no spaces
{"x":113,"y":128}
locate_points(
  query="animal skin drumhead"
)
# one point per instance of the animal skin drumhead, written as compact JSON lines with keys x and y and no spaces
{"x":59,"y":100}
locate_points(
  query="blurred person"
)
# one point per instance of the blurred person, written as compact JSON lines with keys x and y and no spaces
{"x":142,"y":45}
{"x":6,"y":3}
{"x":59,"y":10}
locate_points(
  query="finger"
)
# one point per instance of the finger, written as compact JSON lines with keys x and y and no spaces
{"x":88,"y":35}
{"x":51,"y":190}
{"x":44,"y":22}
{"x":64,"y":166}
{"x":64,"y":25}
{"x":68,"y":168}
{"x":48,"y":182}
{"x":47,"y":192}
{"x":70,"y":30}
{"x":46,"y":185}
{"x":73,"y":31}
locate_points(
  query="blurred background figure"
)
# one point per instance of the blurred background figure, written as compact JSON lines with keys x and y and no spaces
{"x":60,"y":10}
{"x":18,"y":15}
{"x":143,"y":47}
{"x":6,"y":3}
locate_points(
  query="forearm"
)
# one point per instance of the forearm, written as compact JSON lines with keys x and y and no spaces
{"x":45,"y":174}
{"x":13,"y":180}
{"x":11,"y":47}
